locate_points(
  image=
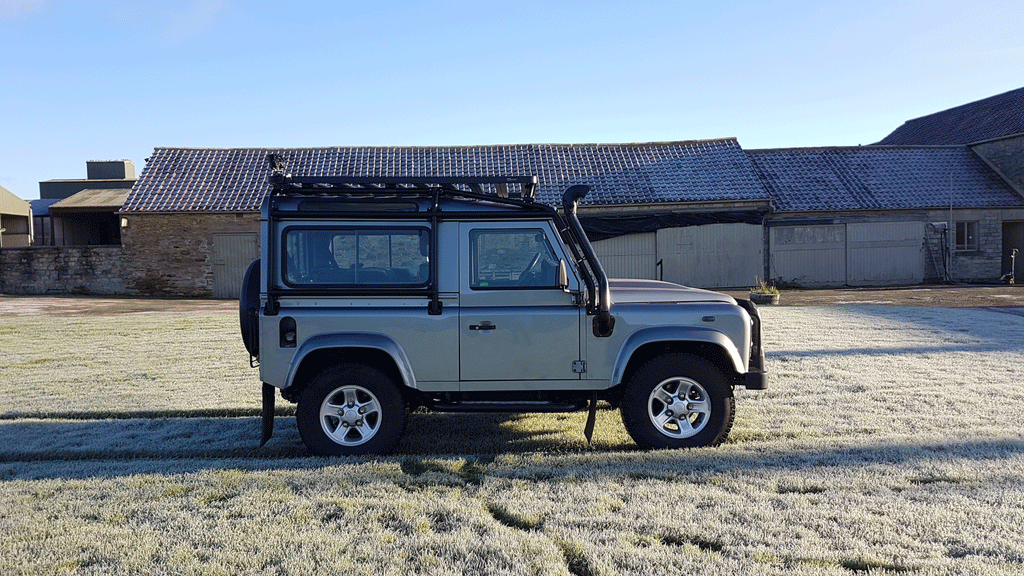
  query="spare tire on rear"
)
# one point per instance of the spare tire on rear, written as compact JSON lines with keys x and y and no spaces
{"x":249,"y":308}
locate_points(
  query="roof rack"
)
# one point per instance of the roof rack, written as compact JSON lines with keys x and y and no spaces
{"x":523,"y":188}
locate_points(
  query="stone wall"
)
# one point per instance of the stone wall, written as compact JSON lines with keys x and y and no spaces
{"x":172,"y":254}
{"x":63,"y":270}
{"x":1006,"y":156}
{"x":984,"y":264}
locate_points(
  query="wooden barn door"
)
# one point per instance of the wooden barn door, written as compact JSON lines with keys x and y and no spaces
{"x":232,"y":254}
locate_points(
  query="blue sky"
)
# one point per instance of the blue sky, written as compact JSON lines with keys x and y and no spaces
{"x":113,"y":79}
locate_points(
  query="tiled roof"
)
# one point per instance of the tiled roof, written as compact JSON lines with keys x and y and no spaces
{"x":234,"y":180}
{"x":993,"y":117}
{"x":41,"y":207}
{"x":879,"y":178}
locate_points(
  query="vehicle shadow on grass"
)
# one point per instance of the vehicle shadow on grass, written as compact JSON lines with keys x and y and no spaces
{"x":71,"y":441}
{"x":473,"y":446}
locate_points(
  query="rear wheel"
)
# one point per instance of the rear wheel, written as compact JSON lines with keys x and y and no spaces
{"x":351,"y":409}
{"x":678,"y":401}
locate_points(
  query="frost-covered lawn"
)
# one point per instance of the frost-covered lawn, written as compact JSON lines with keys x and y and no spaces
{"x":891,"y":440}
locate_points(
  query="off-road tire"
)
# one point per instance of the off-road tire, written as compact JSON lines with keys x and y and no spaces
{"x":657,"y":417}
{"x":351,"y":409}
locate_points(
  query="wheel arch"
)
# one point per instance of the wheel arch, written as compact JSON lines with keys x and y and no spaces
{"x":644,"y":345}
{"x":325,"y":350}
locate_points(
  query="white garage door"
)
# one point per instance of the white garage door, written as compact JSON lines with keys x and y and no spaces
{"x":885,"y":253}
{"x":809,"y":255}
{"x":232,"y":254}
{"x":629,"y":256}
{"x":710,"y":256}
{"x":714,"y":255}
{"x":855,"y":254}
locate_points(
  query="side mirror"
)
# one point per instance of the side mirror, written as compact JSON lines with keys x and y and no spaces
{"x":563,"y":275}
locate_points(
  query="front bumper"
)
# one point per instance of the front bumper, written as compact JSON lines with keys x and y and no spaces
{"x":756,"y":378}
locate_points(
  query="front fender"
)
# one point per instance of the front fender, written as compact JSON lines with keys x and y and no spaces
{"x":653,"y":334}
{"x":352,"y":340}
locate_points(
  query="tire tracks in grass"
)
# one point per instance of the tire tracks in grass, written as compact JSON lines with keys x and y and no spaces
{"x":577,"y":562}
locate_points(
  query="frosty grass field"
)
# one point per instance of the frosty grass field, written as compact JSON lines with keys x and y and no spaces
{"x":890,"y":441}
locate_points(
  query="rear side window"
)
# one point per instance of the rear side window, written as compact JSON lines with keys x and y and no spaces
{"x":352,"y":257}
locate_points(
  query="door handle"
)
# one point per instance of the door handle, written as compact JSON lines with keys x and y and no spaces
{"x":482,"y":326}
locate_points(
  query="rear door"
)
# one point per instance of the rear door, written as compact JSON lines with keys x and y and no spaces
{"x":516,"y":323}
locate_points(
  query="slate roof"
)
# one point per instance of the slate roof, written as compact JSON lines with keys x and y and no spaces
{"x":41,"y":207}
{"x":234,"y":180}
{"x":879,"y":178}
{"x":993,"y":117}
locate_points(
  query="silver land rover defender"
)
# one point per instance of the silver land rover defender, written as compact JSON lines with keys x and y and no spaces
{"x":375,"y":296}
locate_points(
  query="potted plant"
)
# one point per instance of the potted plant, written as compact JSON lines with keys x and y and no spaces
{"x":764,"y":293}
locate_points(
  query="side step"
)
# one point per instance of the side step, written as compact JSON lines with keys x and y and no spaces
{"x":519,"y":406}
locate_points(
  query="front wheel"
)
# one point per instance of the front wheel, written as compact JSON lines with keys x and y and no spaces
{"x":350,"y":409}
{"x":678,"y":401}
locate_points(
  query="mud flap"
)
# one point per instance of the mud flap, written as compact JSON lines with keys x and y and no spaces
{"x":269,"y":395}
{"x":588,"y":429}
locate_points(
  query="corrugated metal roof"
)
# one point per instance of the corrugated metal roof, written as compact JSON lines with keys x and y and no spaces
{"x":10,"y":204}
{"x":234,"y":180}
{"x":92,"y":201}
{"x":880,"y":178}
{"x":993,"y":117}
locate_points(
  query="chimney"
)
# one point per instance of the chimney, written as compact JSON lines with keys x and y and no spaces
{"x":110,"y":170}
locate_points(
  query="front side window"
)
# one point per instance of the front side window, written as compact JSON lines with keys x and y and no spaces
{"x":351,"y":257}
{"x":966,"y":236}
{"x":512,"y":259}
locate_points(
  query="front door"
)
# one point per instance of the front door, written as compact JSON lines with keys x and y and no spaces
{"x":516,"y":323}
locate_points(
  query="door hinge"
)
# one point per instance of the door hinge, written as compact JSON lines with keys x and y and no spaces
{"x":579,"y":366}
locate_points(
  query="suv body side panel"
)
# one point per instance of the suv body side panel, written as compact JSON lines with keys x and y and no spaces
{"x":720,"y":324}
{"x":511,"y":331}
{"x":329,"y":321}
{"x":669,"y":334}
{"x":354,"y":340}
{"x":430,"y":342}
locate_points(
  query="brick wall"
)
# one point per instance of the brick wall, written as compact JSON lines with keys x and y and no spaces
{"x":63,"y":270}
{"x":172,"y":254}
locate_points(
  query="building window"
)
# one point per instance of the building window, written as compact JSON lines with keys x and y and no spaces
{"x":966,"y":236}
